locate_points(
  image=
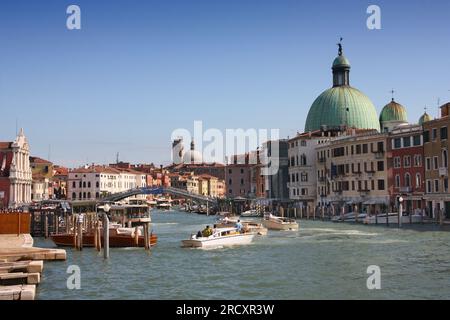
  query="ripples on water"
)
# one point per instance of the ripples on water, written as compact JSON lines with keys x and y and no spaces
{"x":320,"y":261}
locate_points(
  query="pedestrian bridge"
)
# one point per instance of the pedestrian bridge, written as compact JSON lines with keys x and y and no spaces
{"x":161,"y":190}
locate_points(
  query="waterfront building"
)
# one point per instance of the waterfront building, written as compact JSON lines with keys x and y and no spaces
{"x":42,"y":173}
{"x":210,"y":186}
{"x":238,"y":175}
{"x":94,"y":182}
{"x":357,"y":184}
{"x":408,"y":170}
{"x":436,"y":146}
{"x":59,"y":183}
{"x":276,"y":164}
{"x":15,"y":172}
{"x":302,"y":178}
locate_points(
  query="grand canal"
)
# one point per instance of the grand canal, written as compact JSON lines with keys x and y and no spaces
{"x":322,"y":260}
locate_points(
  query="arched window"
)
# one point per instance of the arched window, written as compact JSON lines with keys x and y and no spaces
{"x":80,"y":196}
{"x":97,"y":195}
{"x":84,"y":195}
{"x":97,"y":184}
{"x":418,"y":180}
{"x":444,"y":159}
{"x":74,"y":184}
{"x":74,"y":195}
{"x":89,"y":184}
{"x":397,"y":181}
{"x":89,"y":195}
{"x":84,"y":184}
{"x":407,"y":180}
{"x":303,"y":160}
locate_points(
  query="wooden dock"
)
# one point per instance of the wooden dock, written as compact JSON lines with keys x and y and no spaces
{"x":21,"y":266}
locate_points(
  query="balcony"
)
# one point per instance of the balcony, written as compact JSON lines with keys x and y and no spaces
{"x":322,"y":179}
{"x":405,"y":189}
{"x":322,"y":160}
{"x":443,"y":172}
{"x":379,"y":155}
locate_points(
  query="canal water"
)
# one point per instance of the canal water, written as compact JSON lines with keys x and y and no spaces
{"x":323,"y":260}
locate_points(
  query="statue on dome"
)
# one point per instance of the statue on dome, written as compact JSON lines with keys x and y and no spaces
{"x":340,"y":46}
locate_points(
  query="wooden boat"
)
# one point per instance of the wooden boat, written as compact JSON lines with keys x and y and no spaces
{"x":250,"y":226}
{"x":272,"y":222}
{"x":118,"y":238}
{"x":250,"y":213}
{"x":220,"y":237}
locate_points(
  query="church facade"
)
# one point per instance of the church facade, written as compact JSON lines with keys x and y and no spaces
{"x":15,"y":173}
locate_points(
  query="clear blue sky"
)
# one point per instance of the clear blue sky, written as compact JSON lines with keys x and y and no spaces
{"x":137,"y":70}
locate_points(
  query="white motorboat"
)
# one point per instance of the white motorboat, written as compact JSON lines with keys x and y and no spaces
{"x":392,"y":217}
{"x":272,"y":222}
{"x":349,"y":217}
{"x":250,"y":213}
{"x":249,"y":226}
{"x":220,"y":237}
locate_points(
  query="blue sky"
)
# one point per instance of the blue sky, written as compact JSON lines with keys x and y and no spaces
{"x":137,"y":70}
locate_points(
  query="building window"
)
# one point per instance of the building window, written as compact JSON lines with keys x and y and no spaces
{"x":416,"y":140}
{"x":397,"y":181}
{"x":428,"y":164}
{"x":407,"y":161}
{"x":303,"y":143}
{"x":296,"y":177}
{"x":74,"y":195}
{"x":84,"y":184}
{"x":74,"y":184}
{"x":428,"y":186}
{"x":80,"y":196}
{"x":407,"y":180}
{"x":80,"y":184}
{"x":89,"y":184}
{"x":230,"y":182}
{"x":380,"y":165}
{"x":443,"y":133}
{"x":426,"y":136}
{"x":435,"y":163}
{"x":242,"y":171}
{"x":230,"y":171}
{"x":417,"y":160}
{"x":304,"y":177}
{"x":242,"y":182}
{"x":446,"y":185}
{"x":397,"y":162}
{"x":303,"y":160}
{"x":434,"y":134}
{"x":444,"y":158}
{"x":304,"y":192}
{"x":358,"y":149}
{"x":418,"y":180}
{"x":436,"y":186}
{"x":397,"y":143}
{"x":97,"y":195}
{"x":380,"y":184}
{"x":406,"y":142}
{"x":97,"y":184}
{"x":365,"y":148}
{"x":89,"y":195}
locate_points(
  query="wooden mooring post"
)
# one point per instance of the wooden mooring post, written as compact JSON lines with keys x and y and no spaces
{"x":105,"y":236}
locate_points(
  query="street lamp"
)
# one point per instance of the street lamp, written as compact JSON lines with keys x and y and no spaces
{"x":400,"y":211}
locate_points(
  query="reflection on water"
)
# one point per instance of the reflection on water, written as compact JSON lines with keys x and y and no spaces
{"x":320,"y":261}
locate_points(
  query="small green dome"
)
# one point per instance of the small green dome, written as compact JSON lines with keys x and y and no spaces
{"x":393,"y":111}
{"x":425,"y":118}
{"x":341,"y":61}
{"x":342,"y":105}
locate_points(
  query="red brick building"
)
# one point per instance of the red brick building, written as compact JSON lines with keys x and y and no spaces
{"x":407,"y":176}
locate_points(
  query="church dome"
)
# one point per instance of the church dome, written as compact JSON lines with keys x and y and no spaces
{"x":393,"y":111}
{"x":342,"y":105}
{"x":192,"y":156}
{"x":425,"y":118}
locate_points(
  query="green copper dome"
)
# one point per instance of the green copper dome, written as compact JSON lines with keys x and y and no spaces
{"x":341,"y":61}
{"x":425,"y":118}
{"x":393,"y":111}
{"x":342,"y":105}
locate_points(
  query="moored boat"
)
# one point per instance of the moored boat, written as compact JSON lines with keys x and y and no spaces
{"x":250,"y":213}
{"x":118,"y":237}
{"x":272,"y":222}
{"x":220,"y":237}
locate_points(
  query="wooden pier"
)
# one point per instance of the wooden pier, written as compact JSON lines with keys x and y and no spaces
{"x":21,"y":264}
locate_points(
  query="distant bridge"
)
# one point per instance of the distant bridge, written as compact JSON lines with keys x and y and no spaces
{"x":160,"y":190}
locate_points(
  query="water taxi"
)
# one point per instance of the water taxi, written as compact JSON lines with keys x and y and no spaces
{"x":250,"y":213}
{"x":249,"y":226}
{"x":220,"y":237}
{"x":272,"y":222}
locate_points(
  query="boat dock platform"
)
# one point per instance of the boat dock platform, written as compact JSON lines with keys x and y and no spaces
{"x":21,"y":266}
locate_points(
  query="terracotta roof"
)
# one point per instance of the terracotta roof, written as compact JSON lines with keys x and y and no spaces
{"x":5,"y":145}
{"x":39,"y":160}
